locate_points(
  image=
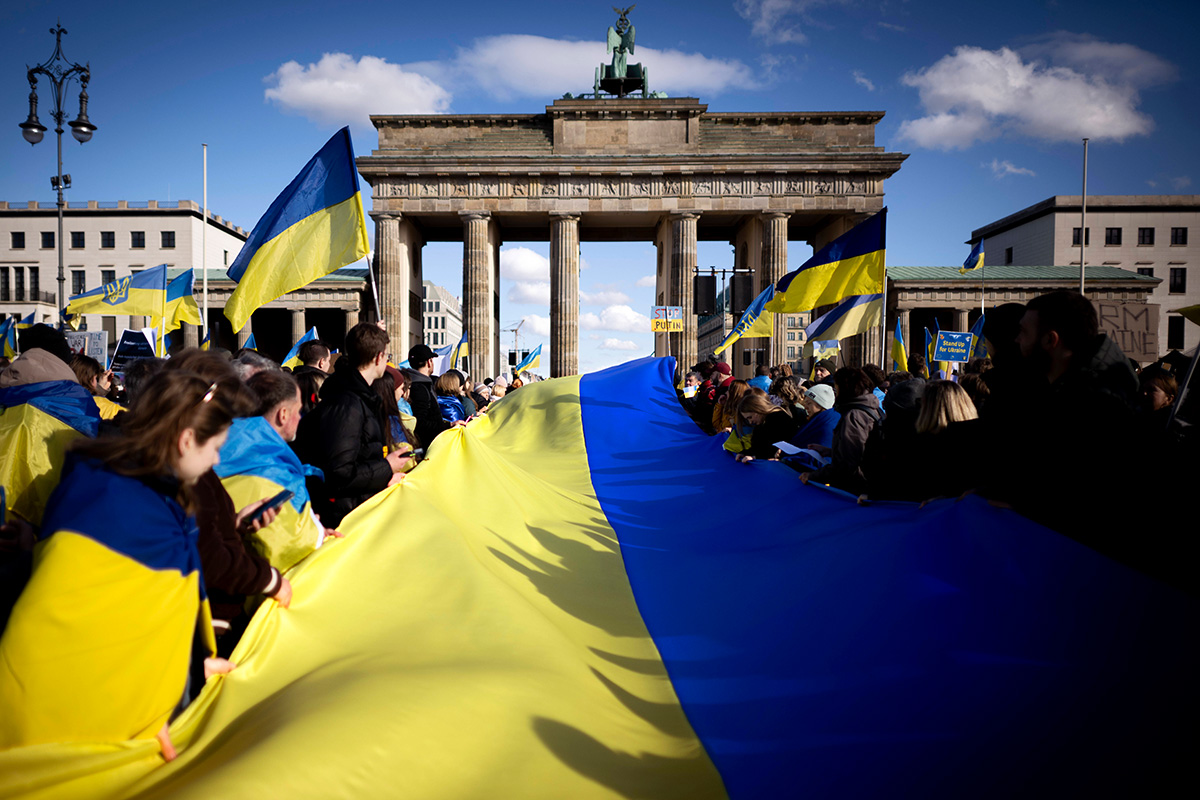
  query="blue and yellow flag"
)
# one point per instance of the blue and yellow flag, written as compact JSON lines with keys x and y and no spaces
{"x":143,"y":294}
{"x":292,"y":360}
{"x":8,"y":336}
{"x":460,"y":351}
{"x":181,"y":304}
{"x":584,"y":644}
{"x":37,"y":423}
{"x":315,"y":227}
{"x":206,"y":342}
{"x":530,"y":361}
{"x":28,"y":321}
{"x":819,"y":350}
{"x":852,"y":264}
{"x":755,"y":323}
{"x":934,"y":369}
{"x":974,"y":260}
{"x":251,"y":344}
{"x":899,"y":351}
{"x":853,"y":315}
{"x":978,"y":343}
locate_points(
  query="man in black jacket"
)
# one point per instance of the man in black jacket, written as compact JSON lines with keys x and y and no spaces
{"x":421,"y":395}
{"x":343,"y":435}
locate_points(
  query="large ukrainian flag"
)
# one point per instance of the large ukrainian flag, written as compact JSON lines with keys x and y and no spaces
{"x":551,"y":606}
{"x":852,"y":264}
{"x":853,"y":315}
{"x":314,"y":227}
{"x":143,"y":294}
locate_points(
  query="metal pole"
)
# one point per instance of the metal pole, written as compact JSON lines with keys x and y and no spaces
{"x":61,"y":204}
{"x":204,"y":248}
{"x":1083,"y":221}
{"x":883,"y":322}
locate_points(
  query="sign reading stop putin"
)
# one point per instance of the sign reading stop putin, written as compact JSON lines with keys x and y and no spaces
{"x":666,"y":319}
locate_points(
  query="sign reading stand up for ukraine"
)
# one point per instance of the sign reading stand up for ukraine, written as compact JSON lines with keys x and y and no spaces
{"x":952,"y":346}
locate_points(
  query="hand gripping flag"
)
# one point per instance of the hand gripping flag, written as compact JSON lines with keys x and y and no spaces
{"x":292,"y":360}
{"x":755,"y":323}
{"x":530,"y":361}
{"x":315,"y":227}
{"x":899,"y":352}
{"x":852,"y":264}
{"x":851,"y":316}
{"x":140,"y":295}
{"x":974,"y":260}
{"x":181,"y":304}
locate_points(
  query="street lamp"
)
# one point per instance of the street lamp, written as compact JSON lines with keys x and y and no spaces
{"x":59,"y":71}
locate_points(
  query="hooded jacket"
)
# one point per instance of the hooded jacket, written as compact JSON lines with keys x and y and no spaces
{"x":859,"y":416}
{"x":424,"y":407}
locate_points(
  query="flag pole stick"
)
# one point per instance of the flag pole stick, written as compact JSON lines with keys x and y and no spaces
{"x":883,"y":322}
{"x":204,"y":246}
{"x":1183,"y":387}
{"x":1083,"y":221}
{"x":374,"y":291}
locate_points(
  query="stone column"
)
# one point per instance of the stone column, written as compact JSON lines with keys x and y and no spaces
{"x":774,"y":264}
{"x":478,"y":297}
{"x":390,"y":274}
{"x":684,"y":346}
{"x":243,"y":335}
{"x":352,"y":320}
{"x":961,"y":323}
{"x":191,"y":335}
{"x":298,"y":328}
{"x":564,"y":294}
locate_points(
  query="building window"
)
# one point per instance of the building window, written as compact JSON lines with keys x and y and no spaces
{"x":793,"y":322}
{"x":137,"y":240}
{"x":108,"y":276}
{"x":1179,"y":236}
{"x":19,"y":284}
{"x":1087,"y":239}
{"x":791,"y":336}
{"x":1175,"y":332}
{"x":1145,"y":235}
{"x":77,"y":240}
{"x":791,"y":352}
{"x":1178,"y":280}
{"x":1008,"y":256}
{"x":168,"y":239}
{"x":4,"y":287}
{"x":47,"y":240}
{"x":1112,"y":236}
{"x":1147,"y":271}
{"x":35,"y":284}
{"x":108,"y":240}
{"x":78,"y":284}
{"x":18,"y":240}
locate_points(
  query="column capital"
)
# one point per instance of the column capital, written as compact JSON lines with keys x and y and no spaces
{"x":773,"y":214}
{"x":566,"y":216}
{"x":680,"y":216}
{"x":467,"y":216}
{"x":382,"y":216}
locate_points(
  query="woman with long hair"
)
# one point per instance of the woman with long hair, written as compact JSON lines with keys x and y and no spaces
{"x":448,"y":387}
{"x":770,"y":424}
{"x":722,"y":415}
{"x":943,"y":403}
{"x":99,"y":644}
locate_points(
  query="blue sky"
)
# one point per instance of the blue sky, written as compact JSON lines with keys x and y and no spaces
{"x":990,"y":100}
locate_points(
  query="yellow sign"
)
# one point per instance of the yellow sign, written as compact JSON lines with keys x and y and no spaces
{"x":666,"y":319}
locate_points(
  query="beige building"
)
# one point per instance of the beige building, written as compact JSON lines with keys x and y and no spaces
{"x":442,"y":316}
{"x":1151,"y":235}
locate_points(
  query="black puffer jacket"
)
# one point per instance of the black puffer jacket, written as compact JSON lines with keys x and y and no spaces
{"x":425,"y":407}
{"x":343,"y":436}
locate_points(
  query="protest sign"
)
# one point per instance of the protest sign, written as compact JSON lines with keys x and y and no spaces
{"x":1133,"y":326}
{"x":133,"y":345}
{"x":952,"y":346}
{"x":89,"y":343}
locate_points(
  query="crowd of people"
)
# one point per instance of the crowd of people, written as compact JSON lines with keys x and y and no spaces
{"x":201,"y":478}
{"x":1056,"y":423}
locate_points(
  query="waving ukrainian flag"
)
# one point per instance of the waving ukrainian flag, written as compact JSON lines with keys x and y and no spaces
{"x":8,"y":335}
{"x":978,"y":346}
{"x":852,"y":264}
{"x":181,"y":304}
{"x":314,"y":227}
{"x":755,"y":323}
{"x":143,"y":295}
{"x":530,"y":361}
{"x":851,"y":316}
{"x":292,"y":359}
{"x":974,"y":260}
{"x":460,"y":351}
{"x":585,"y":644}
{"x":899,"y":351}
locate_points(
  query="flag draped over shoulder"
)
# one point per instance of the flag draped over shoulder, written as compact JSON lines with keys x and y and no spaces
{"x":852,"y":264}
{"x":314,"y":227}
{"x":37,"y":423}
{"x":530,"y":361}
{"x":851,"y":316}
{"x":292,"y":359}
{"x":974,"y":260}
{"x":584,"y":644}
{"x":181,"y":304}
{"x":756,"y":322}
{"x":143,"y":295}
{"x":899,"y":352}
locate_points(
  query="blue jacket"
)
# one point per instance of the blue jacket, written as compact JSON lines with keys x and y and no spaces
{"x":452,"y":410}
{"x":760,"y":382}
{"x":818,"y":430}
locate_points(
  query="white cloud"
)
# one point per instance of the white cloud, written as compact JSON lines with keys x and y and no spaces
{"x":777,"y":21}
{"x":538,"y":326}
{"x":339,"y":90}
{"x":603,"y":298}
{"x":530,"y":292}
{"x":863,"y":80}
{"x":1002,"y":168}
{"x":1182,"y":182}
{"x":616,"y":318}
{"x":647,"y":282}
{"x":517,"y":65}
{"x":1071,"y":88}
{"x":618,"y":344}
{"x":523,"y":264}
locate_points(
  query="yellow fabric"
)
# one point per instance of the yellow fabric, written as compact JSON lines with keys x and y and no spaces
{"x":472,"y":636}
{"x":97,"y":648}
{"x":108,"y":409}
{"x":737,"y":444}
{"x":33,"y":445}
{"x":290,"y":537}
{"x":1191,"y":313}
{"x":829,"y":283}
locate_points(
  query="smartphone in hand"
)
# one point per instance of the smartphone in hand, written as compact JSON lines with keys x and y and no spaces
{"x":275,"y":502}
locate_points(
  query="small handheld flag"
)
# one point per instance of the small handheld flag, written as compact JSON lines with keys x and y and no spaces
{"x":978,"y":348}
{"x":974,"y":260}
{"x":314,"y":227}
{"x":530,"y":361}
{"x":251,"y":344}
{"x":755,"y":323}
{"x":292,"y":360}
{"x":899,"y":352}
{"x":460,"y":350}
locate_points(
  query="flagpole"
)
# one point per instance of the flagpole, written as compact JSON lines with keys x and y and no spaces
{"x":883,"y":322}
{"x":204,"y":247}
{"x":1083,"y":220}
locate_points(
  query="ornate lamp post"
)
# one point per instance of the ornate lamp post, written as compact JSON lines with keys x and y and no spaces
{"x":59,"y":71}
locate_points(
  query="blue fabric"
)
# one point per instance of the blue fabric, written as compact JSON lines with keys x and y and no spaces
{"x":253,"y":447}
{"x":837,"y":650}
{"x":879,"y":395}
{"x":66,"y":401}
{"x":452,"y":410}
{"x":405,"y":407}
{"x":760,"y":382}
{"x":818,"y":430}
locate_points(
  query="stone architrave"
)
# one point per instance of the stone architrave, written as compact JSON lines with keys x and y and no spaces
{"x":564,"y":294}
{"x":478,"y":291}
{"x":774,"y":265}
{"x":683,"y":265}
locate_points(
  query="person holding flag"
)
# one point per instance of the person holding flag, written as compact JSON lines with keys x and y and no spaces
{"x":292,"y":359}
{"x":899,"y":352}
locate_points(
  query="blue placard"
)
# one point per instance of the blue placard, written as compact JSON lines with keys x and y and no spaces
{"x":952,"y":346}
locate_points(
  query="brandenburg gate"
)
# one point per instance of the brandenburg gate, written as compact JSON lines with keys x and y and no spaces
{"x":610,"y":169}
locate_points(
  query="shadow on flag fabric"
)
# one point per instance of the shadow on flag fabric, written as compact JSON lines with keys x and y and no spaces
{"x":584,"y":644}
{"x":978,"y":346}
{"x":974,"y":260}
{"x":314,"y":227}
{"x":852,"y":264}
{"x":899,"y":352}
{"x":181,"y":304}
{"x":37,"y":423}
{"x":851,"y":316}
{"x":292,"y":359}
{"x":140,"y":295}
{"x":529,"y":362}
{"x":755,"y":323}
